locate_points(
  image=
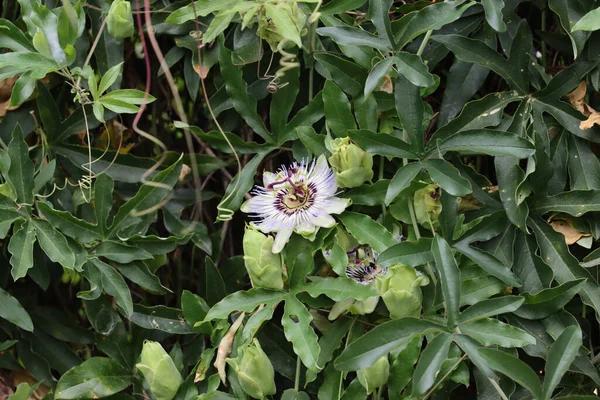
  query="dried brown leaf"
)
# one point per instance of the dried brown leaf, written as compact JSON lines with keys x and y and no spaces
{"x":577,"y":96}
{"x":571,"y":234}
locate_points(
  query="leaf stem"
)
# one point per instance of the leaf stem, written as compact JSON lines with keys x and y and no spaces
{"x":498,"y":389}
{"x":424,"y":43}
{"x":297,"y":379}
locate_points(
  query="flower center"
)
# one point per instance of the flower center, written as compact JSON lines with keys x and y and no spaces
{"x":297,"y":197}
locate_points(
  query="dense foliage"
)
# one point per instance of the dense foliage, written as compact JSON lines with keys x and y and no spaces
{"x":423,"y":224}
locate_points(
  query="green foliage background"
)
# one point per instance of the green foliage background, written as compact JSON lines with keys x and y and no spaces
{"x":123,"y":167}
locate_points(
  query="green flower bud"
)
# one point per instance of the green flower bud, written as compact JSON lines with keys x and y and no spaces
{"x":254,"y":370}
{"x":161,"y":376}
{"x":428,"y":206}
{"x":375,"y":376}
{"x":400,"y":290}
{"x":264,"y":267}
{"x":352,"y":165}
{"x":119,"y":20}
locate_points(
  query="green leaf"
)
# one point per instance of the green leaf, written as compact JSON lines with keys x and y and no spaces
{"x":566,"y":80}
{"x":103,"y":189}
{"x":470,"y":347}
{"x":95,"y":378}
{"x":560,"y":357}
{"x":13,"y":38}
{"x":589,"y":22}
{"x":282,"y":101}
{"x":584,"y":167}
{"x":283,"y":23}
{"x":368,"y":231}
{"x":219,"y":23}
{"x":24,"y":391}
{"x":430,"y":364}
{"x":109,"y":78}
{"x":377,"y":74}
{"x":114,"y":284}
{"x":339,"y":289}
{"x":346,"y":74}
{"x":449,"y":277}
{"x":44,"y":176}
{"x":548,"y":301}
{"x":332,"y":340}
{"x":139,"y":273}
{"x":484,"y":141}
{"x":244,"y":301}
{"x":20,"y":173}
{"x":350,"y":36}
{"x":194,"y":309}
{"x":306,"y":116}
{"x":408,"y":253}
{"x":448,"y":177}
{"x":490,"y":308}
{"x":414,"y":69}
{"x":243,"y":102}
{"x":555,"y":253}
{"x":129,"y":96}
{"x":402,"y":180}
{"x":21,"y":248}
{"x":493,"y":14}
{"x":463,"y":81}
{"x":121,"y":252}
{"x":239,"y":186}
{"x":566,"y":116}
{"x":73,"y":227}
{"x":382,"y":339}
{"x":22,"y":89}
{"x":338,"y":111}
{"x":200,"y":8}
{"x":116,"y":105}
{"x":215,"y":287}
{"x":12,"y":311}
{"x":296,"y":322}
{"x":367,"y":194}
{"x":379,"y":13}
{"x":489,"y":332}
{"x":165,"y":319}
{"x":477,"y":114}
{"x":43,"y":22}
{"x":382,"y":144}
{"x":432,"y":17}
{"x":514,"y":368}
{"x":148,"y":196}
{"x":339,"y":6}
{"x":54,"y":244}
{"x":476,"y":51}
{"x":574,"y":202}
{"x":510,"y":176}
{"x":314,"y":142}
{"x":569,"y":14}
{"x":490,"y":264}
{"x":410,"y":109}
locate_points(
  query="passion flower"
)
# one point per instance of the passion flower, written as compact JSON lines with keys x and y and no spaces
{"x":299,"y":198}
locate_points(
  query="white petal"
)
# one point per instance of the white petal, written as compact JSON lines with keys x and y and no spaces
{"x":324,"y":221}
{"x":305,"y":227}
{"x":282,"y":237}
{"x":335,"y":205}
